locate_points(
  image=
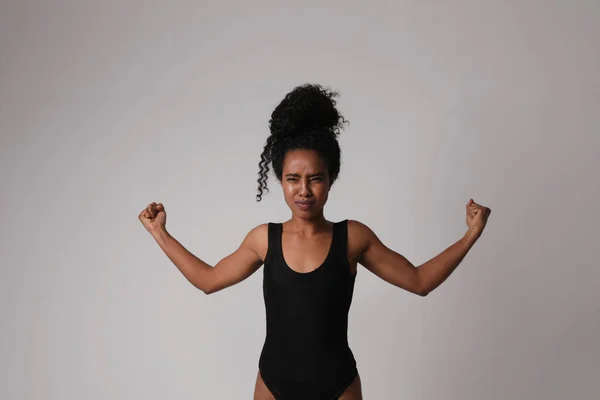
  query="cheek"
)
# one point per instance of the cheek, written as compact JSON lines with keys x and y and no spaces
{"x":288,"y":190}
{"x":325,"y":193}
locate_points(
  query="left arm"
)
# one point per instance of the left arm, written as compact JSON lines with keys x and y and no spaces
{"x":397,"y":270}
{"x":435,"y":271}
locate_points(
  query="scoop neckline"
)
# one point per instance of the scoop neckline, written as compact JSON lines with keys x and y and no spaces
{"x":329,"y":253}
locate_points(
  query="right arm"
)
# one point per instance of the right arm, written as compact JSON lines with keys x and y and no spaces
{"x":232,"y":269}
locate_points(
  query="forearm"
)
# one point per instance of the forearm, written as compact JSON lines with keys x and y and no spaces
{"x":194,"y":269}
{"x":435,"y":271}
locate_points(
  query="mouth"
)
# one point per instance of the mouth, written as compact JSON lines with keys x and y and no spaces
{"x":304,"y":205}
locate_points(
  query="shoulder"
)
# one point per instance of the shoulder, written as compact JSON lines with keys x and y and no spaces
{"x":360,"y":236}
{"x":359,"y":229}
{"x":258,"y":239}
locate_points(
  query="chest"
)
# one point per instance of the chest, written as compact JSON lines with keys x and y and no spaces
{"x":305,"y":255}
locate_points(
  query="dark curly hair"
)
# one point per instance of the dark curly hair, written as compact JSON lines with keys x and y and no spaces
{"x":305,"y":119}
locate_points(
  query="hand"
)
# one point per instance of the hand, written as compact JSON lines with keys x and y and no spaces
{"x":477,"y":216}
{"x":153,"y":217}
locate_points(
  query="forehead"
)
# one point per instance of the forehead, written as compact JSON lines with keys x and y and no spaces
{"x":303,"y":160}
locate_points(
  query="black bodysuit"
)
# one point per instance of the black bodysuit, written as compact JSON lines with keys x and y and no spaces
{"x":306,"y":354}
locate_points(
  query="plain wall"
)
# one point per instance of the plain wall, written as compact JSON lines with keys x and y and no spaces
{"x":107,"y":106}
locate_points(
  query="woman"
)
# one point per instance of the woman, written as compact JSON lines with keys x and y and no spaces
{"x":310,"y":263}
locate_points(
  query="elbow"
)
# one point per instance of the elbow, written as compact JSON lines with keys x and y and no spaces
{"x":202,"y":288}
{"x":422,"y":289}
{"x":206,"y":284}
{"x":213,"y":288}
{"x":418,"y":290}
{"x":208,"y":289}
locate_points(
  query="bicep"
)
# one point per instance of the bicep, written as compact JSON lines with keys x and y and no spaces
{"x":239,"y":265}
{"x":387,"y":264}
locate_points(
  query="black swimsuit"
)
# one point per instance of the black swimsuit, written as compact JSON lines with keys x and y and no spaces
{"x":306,"y":353}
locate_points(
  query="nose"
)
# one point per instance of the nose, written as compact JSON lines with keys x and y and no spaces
{"x":305,"y":190}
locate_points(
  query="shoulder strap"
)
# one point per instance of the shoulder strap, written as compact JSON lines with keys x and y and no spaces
{"x":340,"y":239}
{"x":274,"y":240}
{"x":343,"y":238}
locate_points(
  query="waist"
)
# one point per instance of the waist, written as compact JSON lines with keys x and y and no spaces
{"x":306,"y":364}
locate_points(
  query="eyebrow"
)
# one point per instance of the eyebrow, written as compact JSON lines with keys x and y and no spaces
{"x":298,"y":175}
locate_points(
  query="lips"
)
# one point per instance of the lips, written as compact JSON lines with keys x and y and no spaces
{"x":304,"y":205}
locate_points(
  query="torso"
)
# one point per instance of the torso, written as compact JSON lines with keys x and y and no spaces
{"x":308,"y":284}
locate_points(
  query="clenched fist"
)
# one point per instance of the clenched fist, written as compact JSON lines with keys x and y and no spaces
{"x":153,"y":217}
{"x":477,"y":216}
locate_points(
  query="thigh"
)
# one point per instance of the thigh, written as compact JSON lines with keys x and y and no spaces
{"x":261,"y":392}
{"x":354,"y":391}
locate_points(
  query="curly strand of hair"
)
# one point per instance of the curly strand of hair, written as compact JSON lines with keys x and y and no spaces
{"x":264,"y":167}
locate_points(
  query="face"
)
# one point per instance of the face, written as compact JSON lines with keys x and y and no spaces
{"x":305,"y":178}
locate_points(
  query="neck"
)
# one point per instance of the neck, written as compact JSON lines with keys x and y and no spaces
{"x":309,"y":226}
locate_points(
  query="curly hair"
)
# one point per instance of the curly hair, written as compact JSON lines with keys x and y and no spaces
{"x":305,"y":119}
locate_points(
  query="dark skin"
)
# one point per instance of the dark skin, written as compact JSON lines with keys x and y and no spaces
{"x":306,"y":239}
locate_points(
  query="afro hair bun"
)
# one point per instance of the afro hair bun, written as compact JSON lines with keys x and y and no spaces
{"x":307,"y":108}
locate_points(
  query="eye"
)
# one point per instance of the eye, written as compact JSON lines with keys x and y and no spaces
{"x":317,"y":179}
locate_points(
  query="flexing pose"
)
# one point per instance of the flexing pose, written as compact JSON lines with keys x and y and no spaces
{"x":309,"y":263}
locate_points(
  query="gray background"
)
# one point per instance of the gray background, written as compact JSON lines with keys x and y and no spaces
{"x":108,"y":106}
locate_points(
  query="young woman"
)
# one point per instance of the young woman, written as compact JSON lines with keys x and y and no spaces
{"x":310,"y":263}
